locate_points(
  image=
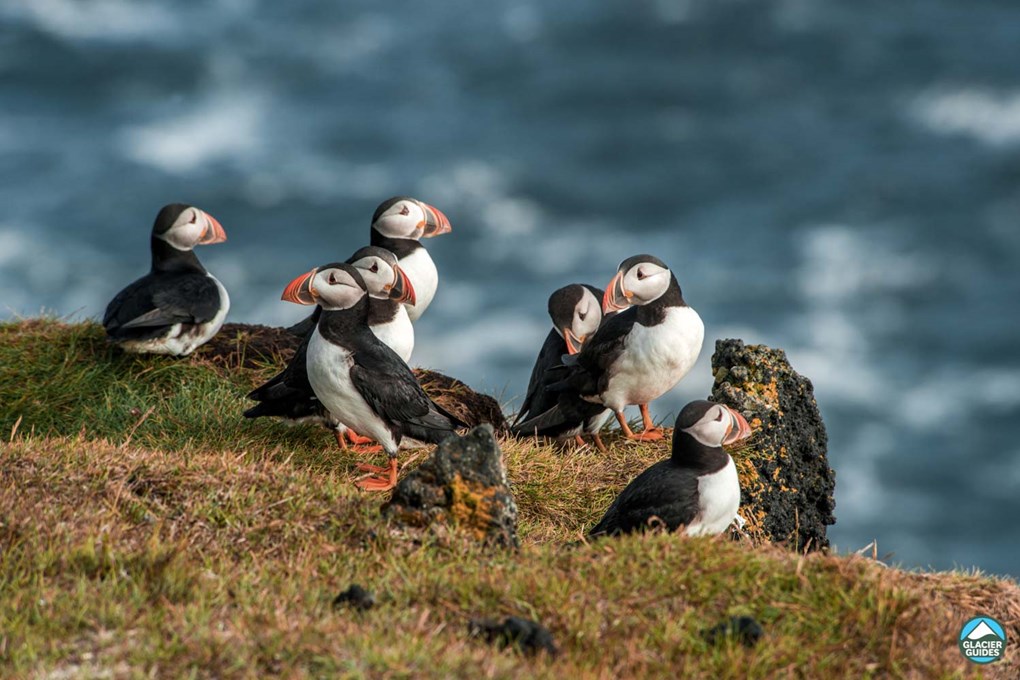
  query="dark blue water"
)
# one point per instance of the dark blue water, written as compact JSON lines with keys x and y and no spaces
{"x":840,"y":179}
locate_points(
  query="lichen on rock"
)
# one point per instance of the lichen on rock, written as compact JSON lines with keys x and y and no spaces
{"x":462,"y":486}
{"x":786,"y":484}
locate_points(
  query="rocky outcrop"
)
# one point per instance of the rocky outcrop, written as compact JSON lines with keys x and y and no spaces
{"x":786,"y":484}
{"x":462,"y":486}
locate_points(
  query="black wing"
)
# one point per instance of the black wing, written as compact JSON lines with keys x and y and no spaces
{"x":391,"y":390}
{"x":155,"y":302}
{"x":664,"y":491}
{"x":288,"y":394}
{"x":537,"y":400}
{"x":587,"y":373}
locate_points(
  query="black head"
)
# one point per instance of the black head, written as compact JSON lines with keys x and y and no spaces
{"x":334,"y":286}
{"x":640,"y":280}
{"x":403,"y":217}
{"x":710,"y":425}
{"x":183,"y":227}
{"x":576,"y":314}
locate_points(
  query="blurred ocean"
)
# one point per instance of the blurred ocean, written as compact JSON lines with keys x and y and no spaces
{"x":840,"y":179}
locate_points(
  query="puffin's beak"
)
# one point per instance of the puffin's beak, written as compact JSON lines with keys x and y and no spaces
{"x":738,"y":429}
{"x":574,"y":343}
{"x":616,"y":296}
{"x":213,"y":232}
{"x":402,"y":290}
{"x":435,"y":222}
{"x":300,"y":290}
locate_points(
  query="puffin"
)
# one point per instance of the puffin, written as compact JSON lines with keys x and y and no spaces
{"x":640,"y":353}
{"x":178,"y":306}
{"x":289,"y":394}
{"x":398,"y":225}
{"x":696,"y":487}
{"x":357,"y":378}
{"x":576,"y":313}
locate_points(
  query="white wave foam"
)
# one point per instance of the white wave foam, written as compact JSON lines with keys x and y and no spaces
{"x":225,"y":126}
{"x":992,"y":118}
{"x":93,"y":19}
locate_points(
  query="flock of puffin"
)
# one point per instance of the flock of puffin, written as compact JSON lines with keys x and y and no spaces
{"x":626,"y":345}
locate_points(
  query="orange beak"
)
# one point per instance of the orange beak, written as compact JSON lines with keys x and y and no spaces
{"x":213,"y":232}
{"x":738,"y":429}
{"x":616,"y":296}
{"x":402,"y":290}
{"x":300,"y":290}
{"x":574,"y":343}
{"x":435,"y":222}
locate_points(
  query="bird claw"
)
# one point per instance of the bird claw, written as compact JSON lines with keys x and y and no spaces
{"x":647,"y":436}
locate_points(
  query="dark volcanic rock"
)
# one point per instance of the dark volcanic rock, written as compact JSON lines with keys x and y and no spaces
{"x":786,"y":483}
{"x":743,"y":629}
{"x":462,"y":485}
{"x":528,"y":636}
{"x":355,"y":597}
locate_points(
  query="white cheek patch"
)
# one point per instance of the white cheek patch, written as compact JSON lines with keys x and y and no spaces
{"x":592,"y":318}
{"x":183,"y":236}
{"x":709,"y":431}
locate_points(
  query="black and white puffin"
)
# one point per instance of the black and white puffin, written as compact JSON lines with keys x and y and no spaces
{"x":178,"y":305}
{"x":358,"y":379}
{"x":696,"y":487}
{"x":289,"y":394}
{"x":576,"y":313}
{"x":398,"y":225}
{"x":643,"y":351}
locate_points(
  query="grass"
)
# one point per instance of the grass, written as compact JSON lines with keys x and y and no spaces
{"x":146,"y":529}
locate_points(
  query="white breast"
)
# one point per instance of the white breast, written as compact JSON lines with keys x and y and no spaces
{"x":329,"y":373}
{"x":183,"y":339}
{"x":718,"y":501}
{"x":398,"y":334}
{"x":424,"y":277}
{"x":655,"y":359}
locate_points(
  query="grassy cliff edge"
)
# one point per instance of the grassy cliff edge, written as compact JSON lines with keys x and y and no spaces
{"x":146,"y":528}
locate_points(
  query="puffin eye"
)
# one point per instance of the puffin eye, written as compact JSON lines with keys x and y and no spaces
{"x":719,"y":417}
{"x":640,"y":274}
{"x":404,"y":210}
{"x":581,"y":315}
{"x":375,"y":268}
{"x":194,"y":217}
{"x":332,"y":279}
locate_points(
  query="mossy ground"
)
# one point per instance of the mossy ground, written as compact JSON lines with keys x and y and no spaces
{"x":147,"y":529}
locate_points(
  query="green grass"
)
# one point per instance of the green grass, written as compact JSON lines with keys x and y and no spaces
{"x":147,"y":529}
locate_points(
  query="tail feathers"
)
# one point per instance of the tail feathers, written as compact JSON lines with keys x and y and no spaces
{"x":609,"y":525}
{"x":540,"y":423}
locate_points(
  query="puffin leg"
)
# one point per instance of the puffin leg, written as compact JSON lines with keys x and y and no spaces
{"x":580,"y":440}
{"x":340,"y":441}
{"x":646,"y":419}
{"x":362,"y":445}
{"x":384,"y":479}
{"x":356,"y":438}
{"x":643,"y":437}
{"x":598,"y":442}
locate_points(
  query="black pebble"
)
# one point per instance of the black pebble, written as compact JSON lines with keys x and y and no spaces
{"x":355,"y":597}
{"x":528,"y":636}
{"x":742,"y":628}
